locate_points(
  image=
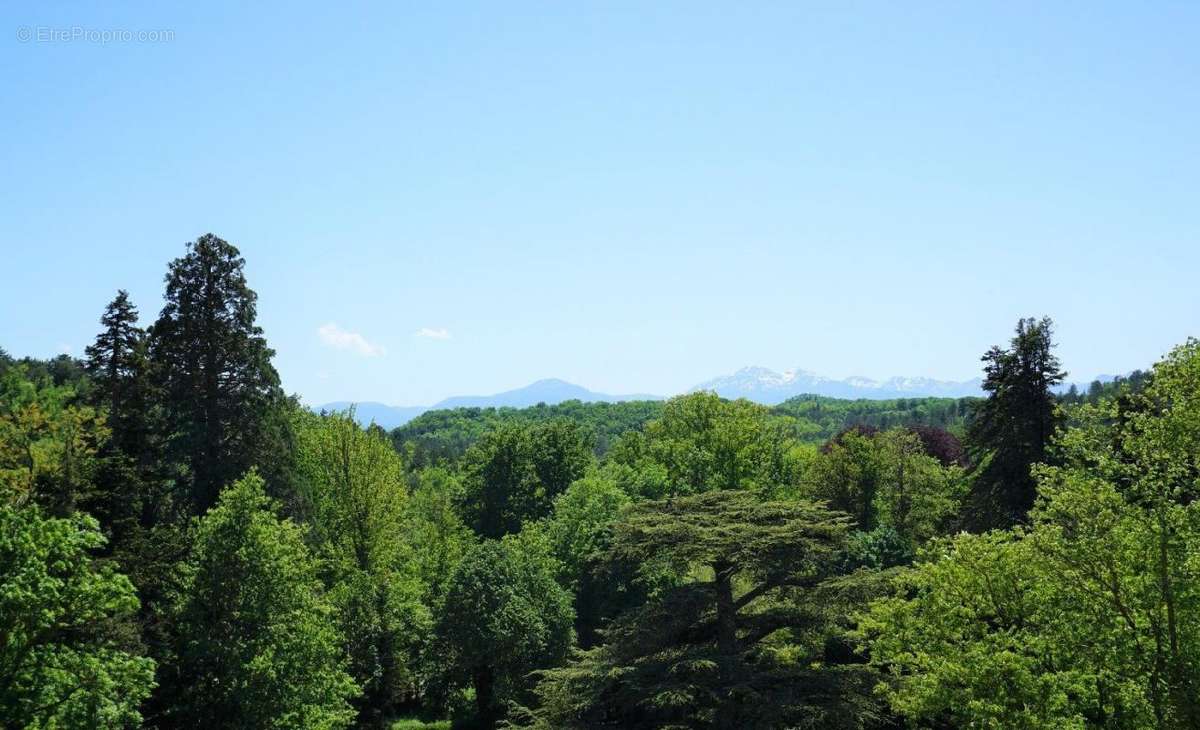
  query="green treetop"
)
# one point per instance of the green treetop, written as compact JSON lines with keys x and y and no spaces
{"x":258,"y":646}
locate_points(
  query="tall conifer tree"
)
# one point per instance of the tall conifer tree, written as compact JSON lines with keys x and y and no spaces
{"x":213,"y":369}
{"x":1012,"y":429}
{"x":116,"y":361}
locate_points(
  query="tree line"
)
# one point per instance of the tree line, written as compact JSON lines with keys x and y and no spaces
{"x":443,"y":436}
{"x":184,"y":545}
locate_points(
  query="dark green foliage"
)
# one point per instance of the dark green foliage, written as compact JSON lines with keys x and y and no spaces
{"x":1098,"y":390}
{"x":221,"y":395}
{"x":1012,"y":428}
{"x":128,"y":492}
{"x":118,"y":367}
{"x":62,"y":660}
{"x":514,"y":473}
{"x":504,"y":617}
{"x":739,"y":643}
{"x":830,"y":416}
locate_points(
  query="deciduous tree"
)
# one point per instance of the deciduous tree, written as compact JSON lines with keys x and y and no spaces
{"x":60,"y":666}
{"x":504,"y":617}
{"x":258,"y":643}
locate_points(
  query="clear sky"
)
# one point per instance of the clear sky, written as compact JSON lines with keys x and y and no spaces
{"x":631,"y":196}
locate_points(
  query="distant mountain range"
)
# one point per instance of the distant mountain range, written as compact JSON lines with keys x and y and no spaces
{"x":550,"y":391}
{"x":770,"y":388}
{"x":757,"y":384}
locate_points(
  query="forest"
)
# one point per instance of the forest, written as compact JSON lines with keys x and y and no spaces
{"x":185,"y":545}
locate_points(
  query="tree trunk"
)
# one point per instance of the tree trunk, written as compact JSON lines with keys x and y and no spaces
{"x":727,"y":645}
{"x":484,"y":683}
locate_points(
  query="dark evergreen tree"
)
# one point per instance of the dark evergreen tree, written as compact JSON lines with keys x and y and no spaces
{"x":1012,"y":429}
{"x":747,"y":641}
{"x":116,"y":362}
{"x":220,"y":394}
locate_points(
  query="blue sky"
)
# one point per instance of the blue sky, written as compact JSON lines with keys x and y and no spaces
{"x":631,"y":196}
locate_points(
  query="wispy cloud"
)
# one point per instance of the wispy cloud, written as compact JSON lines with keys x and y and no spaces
{"x":341,"y":339}
{"x":440,"y":333}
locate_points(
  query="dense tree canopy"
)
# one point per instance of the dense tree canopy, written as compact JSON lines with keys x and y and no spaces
{"x":737,"y":642}
{"x":692,"y":563}
{"x":62,"y":662}
{"x":352,"y":484}
{"x":514,"y":473}
{"x":1091,"y":616}
{"x":49,"y":441}
{"x":257,"y":644}
{"x":504,"y":617}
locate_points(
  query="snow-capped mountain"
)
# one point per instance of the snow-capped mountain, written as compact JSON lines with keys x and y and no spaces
{"x":763,"y":385}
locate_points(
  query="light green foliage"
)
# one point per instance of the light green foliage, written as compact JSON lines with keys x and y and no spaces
{"x":418,"y":724}
{"x":579,"y":533}
{"x":436,"y":535}
{"x":847,"y":475}
{"x":579,"y":528}
{"x":1091,"y":618}
{"x":48,"y":443}
{"x":59,"y":665}
{"x":443,"y":436}
{"x":702,"y":443}
{"x":918,"y":497}
{"x":504,"y":617}
{"x":975,"y":647}
{"x":258,"y":644}
{"x":352,"y":484}
{"x":886,"y":480}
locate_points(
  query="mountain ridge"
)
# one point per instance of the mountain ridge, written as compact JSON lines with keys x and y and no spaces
{"x":759,"y":384}
{"x":550,"y":391}
{"x":769,"y":387}
{"x":755,"y":383}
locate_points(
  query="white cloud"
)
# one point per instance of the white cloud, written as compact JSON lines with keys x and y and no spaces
{"x":339,"y":338}
{"x":440,"y":333}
